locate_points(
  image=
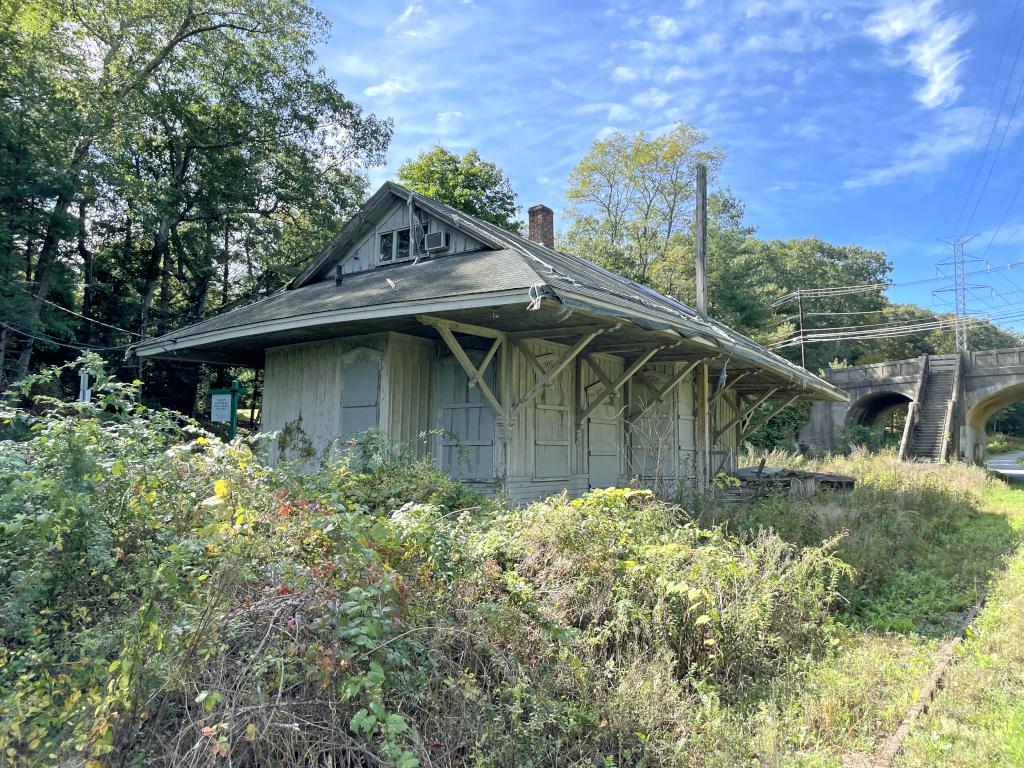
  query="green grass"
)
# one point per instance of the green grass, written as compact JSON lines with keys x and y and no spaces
{"x":978,"y":717}
{"x":926,"y":541}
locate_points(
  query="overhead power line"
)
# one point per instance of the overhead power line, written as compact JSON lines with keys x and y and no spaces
{"x":991,"y":133}
{"x":988,"y":106}
{"x":72,"y":312}
{"x":59,"y":343}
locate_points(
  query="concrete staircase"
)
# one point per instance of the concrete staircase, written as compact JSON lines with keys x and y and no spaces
{"x":930,"y":426}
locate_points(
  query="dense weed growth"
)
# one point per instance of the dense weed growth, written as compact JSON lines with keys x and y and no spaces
{"x":169,"y":599}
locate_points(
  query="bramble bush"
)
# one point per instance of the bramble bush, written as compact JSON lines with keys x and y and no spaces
{"x":169,"y":598}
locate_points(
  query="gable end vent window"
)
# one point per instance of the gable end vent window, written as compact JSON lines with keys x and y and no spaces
{"x":394,"y":245}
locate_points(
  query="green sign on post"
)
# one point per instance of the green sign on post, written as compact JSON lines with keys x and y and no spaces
{"x":224,"y":406}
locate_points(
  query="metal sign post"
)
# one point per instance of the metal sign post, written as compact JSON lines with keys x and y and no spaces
{"x":224,"y":406}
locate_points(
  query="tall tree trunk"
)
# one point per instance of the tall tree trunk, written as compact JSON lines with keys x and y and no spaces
{"x":87,"y":269}
{"x":165,"y":293}
{"x":226,"y":276}
{"x":51,"y":243}
{"x":151,"y":273}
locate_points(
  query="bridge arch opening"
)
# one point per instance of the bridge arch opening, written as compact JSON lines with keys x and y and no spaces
{"x":979,"y":415}
{"x":879,"y":417}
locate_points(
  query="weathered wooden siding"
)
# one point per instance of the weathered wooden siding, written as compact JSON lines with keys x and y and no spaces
{"x":304,"y":391}
{"x":725,"y":449}
{"x":466,"y":449}
{"x":408,"y":361}
{"x":602,"y":442}
{"x":544,"y":447}
{"x":364,"y":254}
{"x":686,"y":422}
{"x":319,"y":392}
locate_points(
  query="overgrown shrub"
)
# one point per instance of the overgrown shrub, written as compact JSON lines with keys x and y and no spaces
{"x":170,"y":599}
{"x":916,"y":535}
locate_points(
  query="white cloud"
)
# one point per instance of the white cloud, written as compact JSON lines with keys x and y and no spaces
{"x":390,"y":87}
{"x":929,"y":152}
{"x":619,"y":112}
{"x":624,"y":74}
{"x":675,"y":72}
{"x":926,"y":38}
{"x":411,"y":11}
{"x":613,"y":112}
{"x":447,"y":122}
{"x":663,"y":27}
{"x":653,"y":97}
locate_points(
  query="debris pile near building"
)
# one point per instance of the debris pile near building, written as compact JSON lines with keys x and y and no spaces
{"x":760,"y":481}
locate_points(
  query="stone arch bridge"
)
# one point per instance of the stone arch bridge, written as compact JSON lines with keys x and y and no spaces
{"x":949,"y":399}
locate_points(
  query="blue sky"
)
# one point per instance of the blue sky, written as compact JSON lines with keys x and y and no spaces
{"x":857,"y":121}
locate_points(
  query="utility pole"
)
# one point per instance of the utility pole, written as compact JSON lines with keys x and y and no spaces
{"x":800,"y":312}
{"x":958,"y":262}
{"x":701,"y":247}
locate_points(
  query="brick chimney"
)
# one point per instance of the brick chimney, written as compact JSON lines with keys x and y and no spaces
{"x":542,"y":225}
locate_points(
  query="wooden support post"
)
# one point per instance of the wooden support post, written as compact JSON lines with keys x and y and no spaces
{"x":639,"y":363}
{"x":748,"y":428}
{"x":743,"y":416}
{"x":705,"y":421}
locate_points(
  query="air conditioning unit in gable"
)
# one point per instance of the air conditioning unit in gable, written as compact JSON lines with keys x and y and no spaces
{"x":436,"y":242}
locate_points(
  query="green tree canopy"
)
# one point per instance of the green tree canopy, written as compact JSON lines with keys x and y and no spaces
{"x":161,"y":160}
{"x":468,"y":183}
{"x":631,"y":200}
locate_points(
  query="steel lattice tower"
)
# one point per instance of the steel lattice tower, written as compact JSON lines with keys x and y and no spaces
{"x":958,"y":262}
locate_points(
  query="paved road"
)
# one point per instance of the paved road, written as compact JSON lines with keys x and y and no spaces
{"x":1007,"y":465}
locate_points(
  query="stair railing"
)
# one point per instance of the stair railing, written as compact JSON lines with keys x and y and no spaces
{"x":912,"y":409}
{"x":954,"y":397}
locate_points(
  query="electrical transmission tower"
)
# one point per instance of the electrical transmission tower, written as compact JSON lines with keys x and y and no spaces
{"x":958,"y":264}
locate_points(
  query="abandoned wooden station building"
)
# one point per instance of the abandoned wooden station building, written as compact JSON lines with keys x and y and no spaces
{"x":531,"y":371}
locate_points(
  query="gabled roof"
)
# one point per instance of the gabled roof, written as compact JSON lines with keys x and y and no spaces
{"x":510,"y":270}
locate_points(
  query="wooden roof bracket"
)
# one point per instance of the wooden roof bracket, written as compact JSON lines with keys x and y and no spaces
{"x":639,"y":363}
{"x":545,"y":377}
{"x":729,"y":385}
{"x":476,"y":375}
{"x":669,"y":386}
{"x":744,"y":416}
{"x":748,"y":428}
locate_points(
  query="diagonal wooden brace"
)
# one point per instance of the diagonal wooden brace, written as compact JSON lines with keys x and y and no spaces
{"x":550,"y":374}
{"x":743,"y":416}
{"x":729,"y":385}
{"x":747,"y":429}
{"x":639,"y":363}
{"x":669,"y":386}
{"x":475,"y":374}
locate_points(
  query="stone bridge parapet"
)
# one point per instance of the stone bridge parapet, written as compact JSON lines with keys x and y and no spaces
{"x":986,"y":382}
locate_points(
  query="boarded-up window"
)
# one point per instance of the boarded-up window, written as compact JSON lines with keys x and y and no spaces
{"x":552,"y":429}
{"x":467,"y":421}
{"x":360,"y":392}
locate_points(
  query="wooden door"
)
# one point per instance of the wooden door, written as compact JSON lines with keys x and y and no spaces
{"x":360,"y":392}
{"x":466,"y":448}
{"x":604,"y":430}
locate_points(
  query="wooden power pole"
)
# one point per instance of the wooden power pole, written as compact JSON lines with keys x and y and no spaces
{"x":701,"y":246}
